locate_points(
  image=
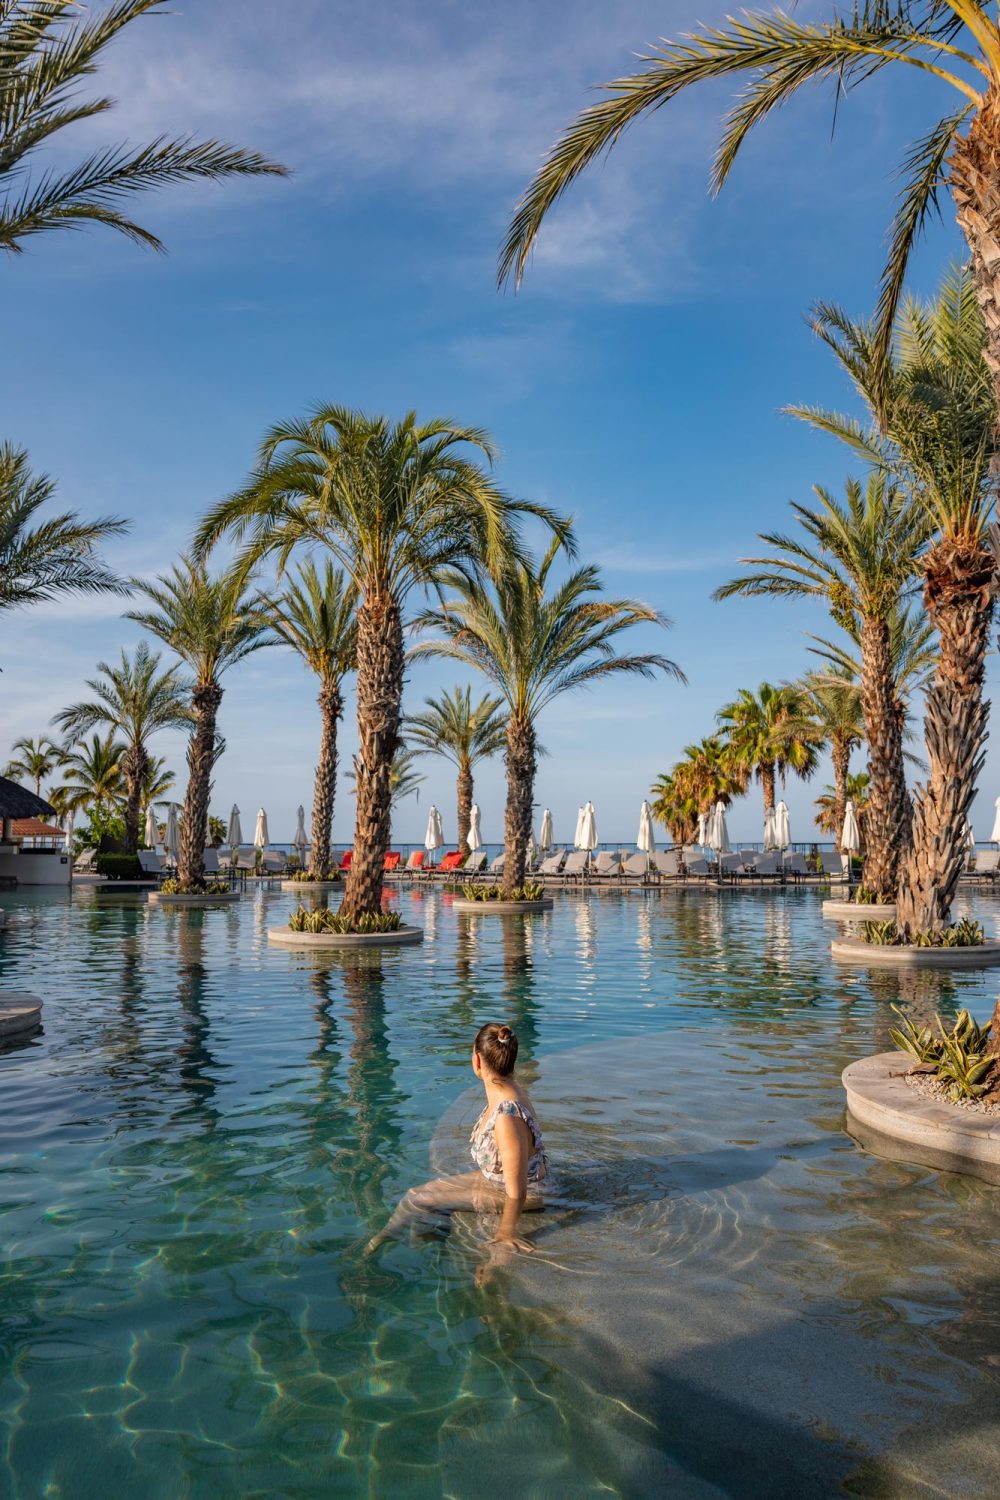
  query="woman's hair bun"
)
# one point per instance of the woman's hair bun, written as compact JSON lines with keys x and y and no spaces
{"x":497,"y":1046}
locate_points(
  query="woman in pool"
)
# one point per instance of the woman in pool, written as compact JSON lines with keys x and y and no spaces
{"x":506,"y":1145}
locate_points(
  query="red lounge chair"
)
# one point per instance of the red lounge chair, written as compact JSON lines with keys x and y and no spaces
{"x":391,"y":861}
{"x":451,"y":861}
{"x":345,"y":863}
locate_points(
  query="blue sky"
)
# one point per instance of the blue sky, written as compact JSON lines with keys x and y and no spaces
{"x":636,"y":382}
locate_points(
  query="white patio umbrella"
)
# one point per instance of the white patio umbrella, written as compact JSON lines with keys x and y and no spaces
{"x":646,"y":841}
{"x":850,"y":836}
{"x":995,"y":835}
{"x":545,"y":832}
{"x":718,"y":834}
{"x":68,"y":841}
{"x":782,"y":827}
{"x":769,"y":833}
{"x":234,"y":836}
{"x":703,"y":823}
{"x":578,"y":835}
{"x":261,"y":837}
{"x":588,"y":829}
{"x":434,"y":837}
{"x":532,"y":847}
{"x":474,"y":838}
{"x":151,"y":832}
{"x":300,"y":841}
{"x":172,"y":837}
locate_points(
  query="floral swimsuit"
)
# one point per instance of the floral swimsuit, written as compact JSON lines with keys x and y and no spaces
{"x":486,"y":1153}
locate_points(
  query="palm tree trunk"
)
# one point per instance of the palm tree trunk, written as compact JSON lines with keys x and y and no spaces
{"x":134,"y":763}
{"x":521,"y":759}
{"x":380,"y":693}
{"x":205,"y":701}
{"x":887,"y":820}
{"x":464,"y":804}
{"x":959,"y":584}
{"x":767,"y":784}
{"x":331,"y":706}
{"x":975,"y":186}
{"x":840,"y":754}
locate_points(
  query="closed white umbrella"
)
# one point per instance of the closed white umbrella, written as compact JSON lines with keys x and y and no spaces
{"x":850,"y":836}
{"x":578,"y":835}
{"x":646,"y":841}
{"x":474,"y":839}
{"x":995,"y":835}
{"x":769,"y":833}
{"x":171,"y":836}
{"x":782,"y":827}
{"x":970,"y":838}
{"x":703,"y":823}
{"x":434,"y":837}
{"x":300,"y":841}
{"x":719,"y":834}
{"x":260,"y":834}
{"x":545,"y":832}
{"x":588,"y":831}
{"x":234,"y":836}
{"x":68,"y":841}
{"x":152,"y":832}
{"x":532,"y":847}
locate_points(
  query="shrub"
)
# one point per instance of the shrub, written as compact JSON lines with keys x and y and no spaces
{"x":959,"y":1056}
{"x":964,"y":934}
{"x":195,"y":888}
{"x":325,"y":920}
{"x":865,"y":896}
{"x":118,"y":866}
{"x":306,"y":877}
{"x":530,"y":891}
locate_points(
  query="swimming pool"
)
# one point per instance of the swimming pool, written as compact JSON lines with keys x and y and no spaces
{"x":731,"y":1299}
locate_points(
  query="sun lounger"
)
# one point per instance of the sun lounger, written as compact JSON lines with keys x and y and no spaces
{"x":576,"y":865}
{"x":553,"y":865}
{"x":607,"y":865}
{"x":391,"y":861}
{"x":795,"y":866}
{"x":475,"y":864}
{"x":987,"y":865}
{"x":246,"y":861}
{"x":496,"y":865}
{"x":150,"y":863}
{"x":345,"y":862}
{"x":273,"y":863}
{"x":699,"y":868}
{"x":414,"y":866}
{"x":729,"y":864}
{"x":833,"y":865}
{"x":636,"y":867}
{"x":86,"y":861}
{"x":767,"y":867}
{"x":667,"y":864}
{"x":451,"y":862}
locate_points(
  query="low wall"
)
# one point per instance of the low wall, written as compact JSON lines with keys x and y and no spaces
{"x":36,"y":867}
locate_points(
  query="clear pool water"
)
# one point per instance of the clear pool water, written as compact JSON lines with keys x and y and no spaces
{"x":730,"y":1299}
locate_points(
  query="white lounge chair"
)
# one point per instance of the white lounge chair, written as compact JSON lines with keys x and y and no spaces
{"x":274,"y":862}
{"x":576,"y":865}
{"x":607,"y":865}
{"x":246,"y":861}
{"x":699,"y":867}
{"x":86,"y":860}
{"x":496,"y":865}
{"x":767,"y":867}
{"x":986,"y":865}
{"x":729,"y":864}
{"x":150,"y":863}
{"x":553,"y":865}
{"x":475,"y":864}
{"x":833,"y":865}
{"x":795,"y":866}
{"x":667,"y":864}
{"x":636,"y":867}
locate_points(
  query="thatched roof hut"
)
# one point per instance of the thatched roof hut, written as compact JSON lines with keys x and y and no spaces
{"x":17,"y":802}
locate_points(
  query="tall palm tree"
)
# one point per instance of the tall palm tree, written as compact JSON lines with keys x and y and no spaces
{"x":157,"y":781}
{"x":47,"y":51}
{"x":211,"y":623}
{"x":463,"y":732}
{"x":833,"y":704}
{"x":397,"y":504}
{"x":404,"y":778}
{"x":92,"y":774}
{"x":533,"y":641}
{"x":857,"y":556}
{"x":316,"y":615}
{"x":769,"y":733}
{"x":58,"y":555}
{"x":709,"y":773}
{"x":935,"y":428}
{"x":135,"y":700}
{"x":33,"y":760}
{"x":956,"y":42}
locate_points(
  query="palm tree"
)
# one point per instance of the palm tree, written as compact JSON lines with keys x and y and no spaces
{"x":833,"y":801}
{"x":47,"y":51}
{"x":92,"y":774}
{"x":404,"y":778}
{"x":534,"y":642}
{"x":211,"y":623}
{"x":135,"y":700}
{"x":936,"y":430}
{"x":157,"y":782}
{"x":465,"y":734}
{"x":397,"y":505}
{"x":708,"y":774}
{"x":58,"y":555}
{"x":955,"y":41}
{"x":317,"y":616}
{"x":33,"y":760}
{"x":833,"y":702}
{"x":858,"y":557}
{"x":769,"y":733}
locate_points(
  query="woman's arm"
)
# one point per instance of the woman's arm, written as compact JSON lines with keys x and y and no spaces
{"x":509,"y":1133}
